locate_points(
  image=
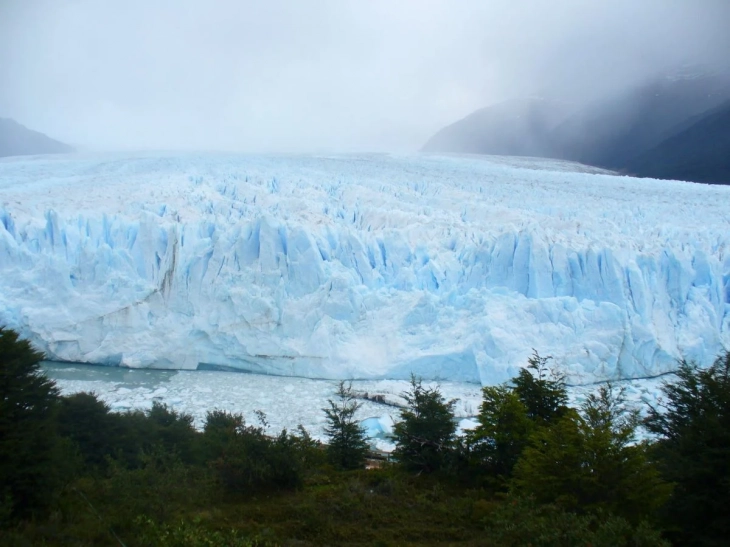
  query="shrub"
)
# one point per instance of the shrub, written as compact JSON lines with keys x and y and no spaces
{"x":520,"y":521}
{"x":174,"y":431}
{"x":248,"y":460}
{"x":192,"y":534}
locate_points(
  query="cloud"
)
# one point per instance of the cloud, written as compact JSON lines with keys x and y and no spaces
{"x":322,"y":74}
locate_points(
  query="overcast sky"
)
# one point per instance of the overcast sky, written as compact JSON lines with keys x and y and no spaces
{"x":321,"y":75}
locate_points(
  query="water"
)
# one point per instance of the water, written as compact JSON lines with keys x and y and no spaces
{"x":286,"y":401}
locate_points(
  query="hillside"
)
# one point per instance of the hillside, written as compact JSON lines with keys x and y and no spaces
{"x":621,"y":132}
{"x":699,"y":153}
{"x":611,"y":133}
{"x":18,"y":140}
{"x":513,"y":128}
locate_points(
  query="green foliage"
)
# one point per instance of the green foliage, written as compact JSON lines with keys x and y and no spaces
{"x":503,"y":431}
{"x":589,"y":462}
{"x":541,"y":390}
{"x":693,"y":425}
{"x":136,"y":432}
{"x":347,"y":447}
{"x":510,"y":414}
{"x":174,"y":431}
{"x":87,"y":422}
{"x":192,"y":534}
{"x":520,"y":521}
{"x":28,"y":442}
{"x":220,"y":430}
{"x":247,"y":460}
{"x":426,"y":433}
{"x":157,"y":487}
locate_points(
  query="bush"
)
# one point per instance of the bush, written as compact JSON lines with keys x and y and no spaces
{"x":174,"y":431}
{"x":191,"y":534}
{"x":247,"y":460}
{"x":520,"y":521}
{"x":425,"y":435}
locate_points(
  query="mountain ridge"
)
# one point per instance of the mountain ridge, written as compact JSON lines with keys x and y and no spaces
{"x":18,"y":140}
{"x":610,"y":133}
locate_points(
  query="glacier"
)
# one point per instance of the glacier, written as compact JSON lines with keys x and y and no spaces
{"x":362,"y":266}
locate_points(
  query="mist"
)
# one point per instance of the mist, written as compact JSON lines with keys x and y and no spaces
{"x":323,"y":75}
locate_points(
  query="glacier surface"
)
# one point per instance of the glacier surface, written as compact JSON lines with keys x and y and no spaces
{"x":368,"y":266}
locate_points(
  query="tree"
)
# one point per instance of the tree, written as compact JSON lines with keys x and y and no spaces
{"x":541,"y":389}
{"x":87,"y":421}
{"x":174,"y":431}
{"x":245,"y":459}
{"x":27,"y":434}
{"x":347,"y":446}
{"x":426,"y":433}
{"x":693,"y":451}
{"x":589,"y":462}
{"x":503,"y":432}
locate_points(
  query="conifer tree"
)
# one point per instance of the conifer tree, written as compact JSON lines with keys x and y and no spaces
{"x":503,"y":432}
{"x":347,"y":447}
{"x":426,"y":434}
{"x":541,"y":389}
{"x":693,"y":451}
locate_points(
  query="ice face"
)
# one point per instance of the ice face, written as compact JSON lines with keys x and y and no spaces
{"x":362,"y":266}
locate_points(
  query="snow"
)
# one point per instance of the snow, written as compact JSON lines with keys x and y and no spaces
{"x":369,"y":266}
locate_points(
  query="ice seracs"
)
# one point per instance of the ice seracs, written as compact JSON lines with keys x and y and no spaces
{"x":366,"y":266}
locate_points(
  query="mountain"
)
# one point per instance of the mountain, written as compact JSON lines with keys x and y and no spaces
{"x":18,"y":140}
{"x":370,"y":266}
{"x":612,"y":132}
{"x":699,"y":152}
{"x":513,"y":128}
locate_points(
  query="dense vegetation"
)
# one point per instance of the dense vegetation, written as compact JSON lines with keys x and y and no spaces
{"x":534,"y":472}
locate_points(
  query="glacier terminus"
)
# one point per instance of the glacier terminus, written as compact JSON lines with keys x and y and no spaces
{"x":362,"y":266}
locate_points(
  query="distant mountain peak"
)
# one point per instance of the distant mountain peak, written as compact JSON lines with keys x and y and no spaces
{"x":611,"y":132}
{"x":18,"y":140}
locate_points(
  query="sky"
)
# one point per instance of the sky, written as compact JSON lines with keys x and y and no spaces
{"x":323,"y":75}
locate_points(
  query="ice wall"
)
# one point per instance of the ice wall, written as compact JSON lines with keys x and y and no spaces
{"x":365,"y":267}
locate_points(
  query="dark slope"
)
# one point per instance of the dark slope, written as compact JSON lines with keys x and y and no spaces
{"x":611,"y":133}
{"x":17,"y":140}
{"x":623,"y":132}
{"x":515,"y":128}
{"x":699,"y":153}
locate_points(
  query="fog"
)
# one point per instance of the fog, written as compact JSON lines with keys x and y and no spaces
{"x":323,"y":75}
